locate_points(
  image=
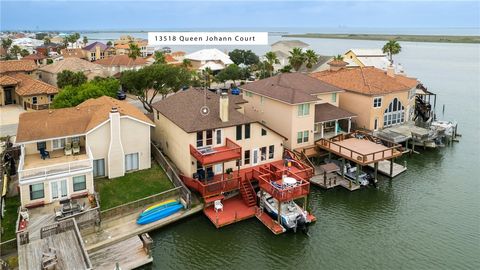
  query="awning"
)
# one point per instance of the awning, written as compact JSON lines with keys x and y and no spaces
{"x":327,"y":112}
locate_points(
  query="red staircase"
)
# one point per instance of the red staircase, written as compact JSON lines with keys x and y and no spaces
{"x":247,"y":192}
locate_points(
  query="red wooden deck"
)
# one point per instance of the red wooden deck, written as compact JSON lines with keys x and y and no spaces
{"x":231,"y":151}
{"x":234,"y":210}
{"x":270,"y":223}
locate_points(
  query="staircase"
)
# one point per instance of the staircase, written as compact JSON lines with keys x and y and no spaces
{"x":247,"y":192}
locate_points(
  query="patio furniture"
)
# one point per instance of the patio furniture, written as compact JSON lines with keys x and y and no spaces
{"x":44,"y":153}
{"x":218,"y":206}
{"x":76,"y":147}
{"x":68,"y":149}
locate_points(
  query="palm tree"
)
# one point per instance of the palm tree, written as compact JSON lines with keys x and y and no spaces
{"x":109,"y":43}
{"x":311,"y":58}
{"x":24,"y":52}
{"x":85,"y":40}
{"x":392,"y":47}
{"x":159,"y":58}
{"x":296,"y":58}
{"x":47,"y":40}
{"x":186,"y":63}
{"x":208,"y":75}
{"x":338,"y":57}
{"x":134,"y":51}
{"x":6,"y":43}
{"x":271,"y":60}
{"x":15,"y":50}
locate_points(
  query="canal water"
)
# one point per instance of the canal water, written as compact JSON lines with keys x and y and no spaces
{"x":427,"y":218}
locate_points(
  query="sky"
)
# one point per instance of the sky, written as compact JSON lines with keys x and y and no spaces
{"x":174,"y":15}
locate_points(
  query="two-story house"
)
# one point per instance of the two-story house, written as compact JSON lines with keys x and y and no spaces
{"x":98,"y":50}
{"x":91,"y":70}
{"x":282,"y":50}
{"x":379,"y":98}
{"x":26,"y":91}
{"x":63,"y":150}
{"x":118,"y":63}
{"x":300,"y":107}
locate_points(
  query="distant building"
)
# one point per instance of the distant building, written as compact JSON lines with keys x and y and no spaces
{"x":211,"y":58}
{"x":282,"y":49}
{"x":40,"y":59}
{"x":49,"y":73}
{"x":26,"y":91}
{"x":77,"y":53}
{"x":118,"y":63}
{"x":97,"y":50}
{"x":46,"y":49}
{"x":367,"y":58}
{"x":25,"y":66}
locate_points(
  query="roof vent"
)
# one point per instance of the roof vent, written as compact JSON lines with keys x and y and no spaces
{"x":114,"y":110}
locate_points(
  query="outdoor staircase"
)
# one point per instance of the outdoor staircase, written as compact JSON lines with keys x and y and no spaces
{"x":247,"y":192}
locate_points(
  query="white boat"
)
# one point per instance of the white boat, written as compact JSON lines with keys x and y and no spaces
{"x":350,"y":173}
{"x":447,"y":126}
{"x":293,"y":217}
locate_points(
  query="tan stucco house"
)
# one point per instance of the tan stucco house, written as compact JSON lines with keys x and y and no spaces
{"x":49,"y":73}
{"x":119,"y":63}
{"x":26,"y":91}
{"x":379,"y":98}
{"x":63,"y":150}
{"x":206,"y":131}
{"x":300,"y":107}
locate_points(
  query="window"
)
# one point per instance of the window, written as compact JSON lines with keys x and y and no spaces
{"x":36,"y":191}
{"x":239,"y":132}
{"x":247,"y":131}
{"x":263,"y":153}
{"x":394,"y":114}
{"x":264,"y":132}
{"x":218,"y":168}
{"x":99,"y":167}
{"x":58,"y":144}
{"x":75,"y":139}
{"x":51,"y":97}
{"x":41,"y":145}
{"x":199,"y":138}
{"x":79,"y":183}
{"x":209,"y":137}
{"x":302,"y":136}
{"x":246,"y":157}
{"x":334,"y":97}
{"x":303,"y":109}
{"x":377,"y":102}
{"x":158,"y":115}
{"x":271,"y":151}
{"x":34,"y":100}
{"x":59,"y":189}
{"x":131,"y":162}
{"x":262,"y":100}
{"x":218,"y":136}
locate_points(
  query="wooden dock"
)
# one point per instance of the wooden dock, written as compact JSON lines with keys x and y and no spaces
{"x":129,"y":254}
{"x":234,"y":210}
{"x":384,"y":168}
{"x":333,"y":180}
{"x":269,"y":222}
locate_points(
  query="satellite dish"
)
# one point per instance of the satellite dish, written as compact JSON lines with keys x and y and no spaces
{"x":204,"y":110}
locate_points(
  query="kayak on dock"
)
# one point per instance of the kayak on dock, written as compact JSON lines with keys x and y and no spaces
{"x":152,"y":216}
{"x":158,"y":207}
{"x":159,"y":204}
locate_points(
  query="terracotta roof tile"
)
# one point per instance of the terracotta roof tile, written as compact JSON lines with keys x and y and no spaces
{"x":8,"y":80}
{"x":45,"y":124}
{"x":121,"y":60}
{"x":73,"y":64}
{"x":29,"y":86}
{"x":291,"y":88}
{"x":17,"y":65}
{"x":36,"y":56}
{"x":366,"y":80}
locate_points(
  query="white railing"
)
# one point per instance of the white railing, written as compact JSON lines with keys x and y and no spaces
{"x":55,"y":169}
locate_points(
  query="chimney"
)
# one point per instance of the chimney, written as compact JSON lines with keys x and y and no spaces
{"x":116,"y":155}
{"x":224,"y":106}
{"x":391,"y":71}
{"x":337,"y":64}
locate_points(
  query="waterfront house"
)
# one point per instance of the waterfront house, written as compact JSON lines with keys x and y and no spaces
{"x":211,"y":58}
{"x":282,"y":50}
{"x":63,"y":150}
{"x":367,"y":58}
{"x":118,"y":63}
{"x":49,"y":73}
{"x":379,"y":98}
{"x":300,"y":107}
{"x":26,"y":91}
{"x":97,"y":50}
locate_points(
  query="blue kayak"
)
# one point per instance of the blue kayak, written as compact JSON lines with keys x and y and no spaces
{"x":156,"y":215}
{"x":158,"y":208}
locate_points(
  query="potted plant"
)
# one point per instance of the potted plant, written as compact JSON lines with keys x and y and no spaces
{"x":229,"y":172}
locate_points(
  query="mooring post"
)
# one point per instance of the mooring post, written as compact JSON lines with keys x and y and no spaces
{"x":376,"y":171}
{"x":324,"y":178}
{"x":279,"y":216}
{"x":391,"y":168}
{"x":357,"y":174}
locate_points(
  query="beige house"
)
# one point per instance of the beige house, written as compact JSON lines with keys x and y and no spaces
{"x":300,"y":107}
{"x":49,"y":73}
{"x":26,"y":91}
{"x":282,"y":50}
{"x":63,"y":150}
{"x":214,"y":59}
{"x":379,"y":98}
{"x":118,"y":63}
{"x":204,"y":131}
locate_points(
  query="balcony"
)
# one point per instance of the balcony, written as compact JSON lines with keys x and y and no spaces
{"x":32,"y":166}
{"x":210,"y":155}
{"x":275,"y":184}
{"x":215,"y":186}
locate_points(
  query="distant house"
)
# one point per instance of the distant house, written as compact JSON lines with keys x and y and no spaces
{"x":25,"y":66}
{"x":49,"y":73}
{"x":118,"y":63}
{"x":38,"y":58}
{"x":26,"y":91}
{"x":94,"y":139}
{"x":97,"y":50}
{"x":28,"y":44}
{"x":300,"y":107}
{"x":211,"y":58}
{"x":47,"y":49}
{"x":367,"y":58}
{"x":379,"y":98}
{"x":282,"y":49}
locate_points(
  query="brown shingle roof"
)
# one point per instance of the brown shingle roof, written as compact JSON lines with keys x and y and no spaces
{"x":328,"y":112}
{"x":121,"y":60}
{"x":45,"y":124}
{"x":366,"y":80}
{"x":183,"y":109}
{"x":29,"y":86}
{"x":73,"y":64}
{"x":17,"y":65}
{"x":292,"y":88}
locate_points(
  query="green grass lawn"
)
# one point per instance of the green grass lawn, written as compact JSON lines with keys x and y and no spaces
{"x":132,"y":186}
{"x":8,"y":221}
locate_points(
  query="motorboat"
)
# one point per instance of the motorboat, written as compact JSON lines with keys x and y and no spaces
{"x":350,"y":173}
{"x":293,"y":217}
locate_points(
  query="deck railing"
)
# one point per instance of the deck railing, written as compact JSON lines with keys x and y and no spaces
{"x":55,"y":169}
{"x":268,"y":183}
{"x":231,"y":151}
{"x":9,"y":246}
{"x":215,"y":186}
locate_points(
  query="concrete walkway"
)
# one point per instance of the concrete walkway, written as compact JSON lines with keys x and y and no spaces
{"x":9,"y":115}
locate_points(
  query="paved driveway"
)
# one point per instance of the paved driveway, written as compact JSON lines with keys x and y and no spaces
{"x":9,"y":119}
